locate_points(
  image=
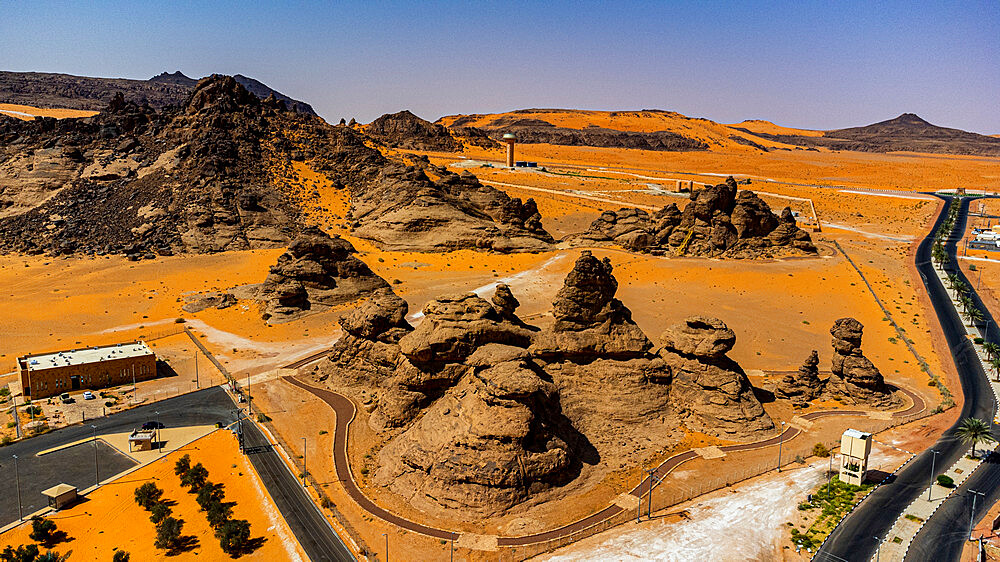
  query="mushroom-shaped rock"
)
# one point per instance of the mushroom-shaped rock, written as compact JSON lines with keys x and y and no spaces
{"x":802,"y":386}
{"x":855,"y":379}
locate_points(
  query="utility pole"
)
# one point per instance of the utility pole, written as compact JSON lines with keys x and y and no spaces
{"x":972,"y":515}
{"x":17,"y":478}
{"x":933,"y":459}
{"x":781,"y":437}
{"x":97,"y":469}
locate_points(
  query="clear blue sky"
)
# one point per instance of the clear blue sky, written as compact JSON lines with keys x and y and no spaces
{"x":805,"y":63}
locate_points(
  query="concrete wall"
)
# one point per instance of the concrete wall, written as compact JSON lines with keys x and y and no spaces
{"x":113,"y":372}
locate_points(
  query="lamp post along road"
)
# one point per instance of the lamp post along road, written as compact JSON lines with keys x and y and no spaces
{"x":17,"y":479}
{"x":972,"y":514}
{"x":304,"y":450}
{"x":781,"y":437}
{"x":97,"y":469}
{"x":931,"y":486}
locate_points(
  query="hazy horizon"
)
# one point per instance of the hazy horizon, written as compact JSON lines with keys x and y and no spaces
{"x":799,"y":65}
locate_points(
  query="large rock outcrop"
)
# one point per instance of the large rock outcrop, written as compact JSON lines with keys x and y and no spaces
{"x":488,"y":443}
{"x":479,"y":410}
{"x":804,"y":385}
{"x":855,"y":379}
{"x":590,"y":323}
{"x":318,"y":271}
{"x":217,"y":174}
{"x":709,"y":390}
{"x":718,"y":221}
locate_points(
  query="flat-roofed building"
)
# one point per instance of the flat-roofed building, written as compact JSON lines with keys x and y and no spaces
{"x":50,"y":374}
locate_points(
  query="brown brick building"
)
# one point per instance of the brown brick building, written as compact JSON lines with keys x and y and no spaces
{"x":50,"y":374}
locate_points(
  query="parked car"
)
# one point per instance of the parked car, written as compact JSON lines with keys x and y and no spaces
{"x":66,"y":398}
{"x":152,"y":425}
{"x":88,"y":395}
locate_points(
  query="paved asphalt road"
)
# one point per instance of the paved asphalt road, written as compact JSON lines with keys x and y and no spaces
{"x":947,"y":531}
{"x":857,"y":536}
{"x":314,"y":533}
{"x":208,"y":406}
{"x":76,"y":465}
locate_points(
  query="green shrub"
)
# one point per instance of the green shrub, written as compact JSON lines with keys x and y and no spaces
{"x":121,"y":556}
{"x":262,"y":417}
{"x":820,"y":450}
{"x":945,"y":480}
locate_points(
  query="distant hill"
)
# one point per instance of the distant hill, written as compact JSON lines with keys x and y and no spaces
{"x":41,"y":89}
{"x":655,"y":129}
{"x":906,"y":133}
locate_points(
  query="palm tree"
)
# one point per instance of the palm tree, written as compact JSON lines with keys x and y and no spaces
{"x":995,"y":363}
{"x":974,"y":431}
{"x":966,"y":303}
{"x":960,"y":287}
{"x":973,"y":315}
{"x":953,"y":280}
{"x":991,"y":349}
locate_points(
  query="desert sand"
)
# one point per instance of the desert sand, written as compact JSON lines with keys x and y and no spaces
{"x":27,"y":112}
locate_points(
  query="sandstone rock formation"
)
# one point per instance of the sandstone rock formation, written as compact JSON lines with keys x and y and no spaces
{"x":855,"y":379}
{"x":803,"y":386}
{"x":317,"y":271}
{"x":709,"y":390}
{"x":479,"y":411}
{"x":717,"y":221}
{"x":590,"y":322}
{"x":488,"y":443}
{"x":211,"y":299}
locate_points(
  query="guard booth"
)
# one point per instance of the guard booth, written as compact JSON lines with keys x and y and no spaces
{"x":60,"y":495}
{"x":855,"y":446}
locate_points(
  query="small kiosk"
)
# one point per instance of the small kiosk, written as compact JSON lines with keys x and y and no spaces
{"x":60,"y":495}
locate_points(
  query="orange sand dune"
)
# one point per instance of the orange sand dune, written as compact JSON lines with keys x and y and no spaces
{"x":767,"y":127}
{"x":16,"y":111}
{"x":716,"y":135}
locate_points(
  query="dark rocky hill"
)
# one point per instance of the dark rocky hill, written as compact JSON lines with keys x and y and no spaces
{"x":406,"y":130}
{"x":201,"y":177}
{"x":42,"y":89}
{"x":906,"y":133}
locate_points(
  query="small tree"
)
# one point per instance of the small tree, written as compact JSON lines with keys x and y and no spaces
{"x":991,"y":349}
{"x":218,"y":513}
{"x":995,"y":363}
{"x":194,"y":478}
{"x":42,"y":530}
{"x":183,"y":465}
{"x":974,"y":431}
{"x":168,"y":533}
{"x":820,"y":450}
{"x":210,"y":494}
{"x":23,"y":553}
{"x":234,"y":536}
{"x":148,"y":495}
{"x":121,"y":556}
{"x":159,"y":512}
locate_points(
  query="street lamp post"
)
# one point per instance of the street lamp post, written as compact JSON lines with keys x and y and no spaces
{"x":304,"y":451}
{"x":159,"y":446}
{"x":197,"y":384}
{"x":97,"y":469}
{"x":649,"y":511}
{"x":931,"y":486}
{"x":878,"y":547}
{"x":781,"y":437}
{"x":249,"y":397}
{"x":972,"y":514}
{"x":17,"y":479}
{"x":386,"y":547}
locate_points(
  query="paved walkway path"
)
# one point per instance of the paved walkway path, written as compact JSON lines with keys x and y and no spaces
{"x":346,"y":411}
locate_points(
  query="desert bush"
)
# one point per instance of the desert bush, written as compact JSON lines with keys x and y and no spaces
{"x":121,"y":556}
{"x":820,"y":450}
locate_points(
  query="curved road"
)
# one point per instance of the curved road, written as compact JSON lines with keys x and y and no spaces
{"x":857,"y":536}
{"x":946,"y":532}
{"x":346,"y":411}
